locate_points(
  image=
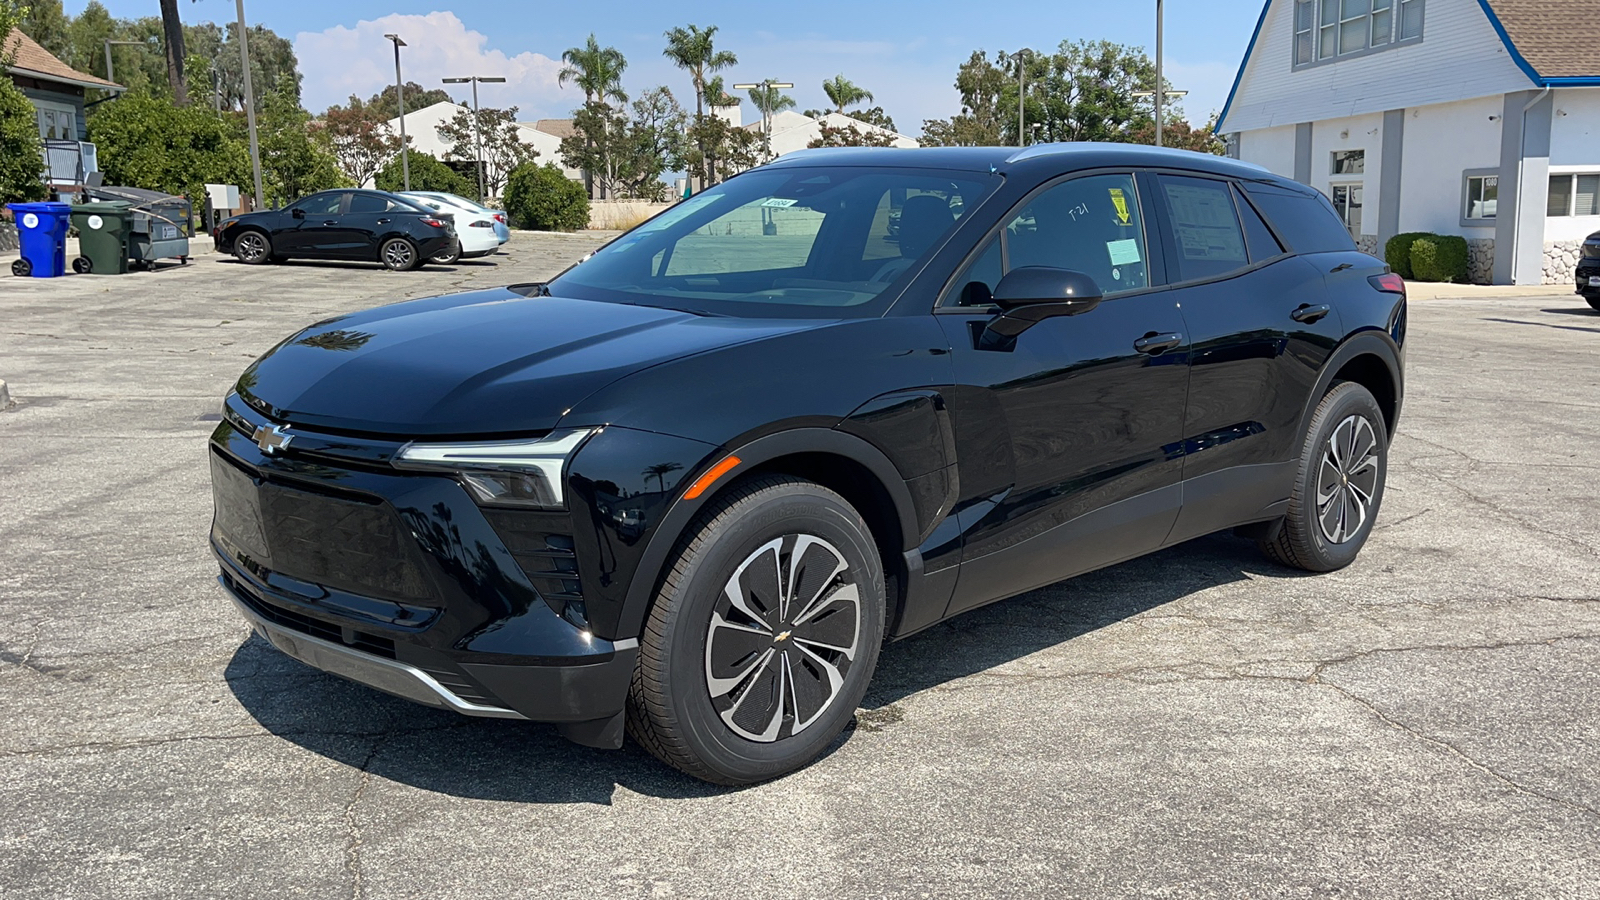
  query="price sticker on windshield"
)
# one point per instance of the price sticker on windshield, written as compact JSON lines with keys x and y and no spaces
{"x":778,"y":203}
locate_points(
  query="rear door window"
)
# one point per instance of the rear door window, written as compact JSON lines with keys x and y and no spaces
{"x":1208,"y":241}
{"x":1257,"y":235}
{"x":1305,"y":220}
{"x":1090,"y":225}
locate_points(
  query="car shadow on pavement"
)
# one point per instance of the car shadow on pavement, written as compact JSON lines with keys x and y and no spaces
{"x":1586,"y":311}
{"x":491,"y":759}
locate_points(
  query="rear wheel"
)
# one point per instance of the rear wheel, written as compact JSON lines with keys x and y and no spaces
{"x":252,"y":248}
{"x":763,"y":636}
{"x":399,"y":255}
{"x":83,"y":265}
{"x":21,"y":268}
{"x":1340,"y":485}
{"x":447,"y":256}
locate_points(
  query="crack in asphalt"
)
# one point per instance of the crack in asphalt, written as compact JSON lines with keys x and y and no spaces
{"x":352,"y":850}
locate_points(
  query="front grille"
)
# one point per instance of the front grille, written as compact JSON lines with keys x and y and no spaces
{"x":345,"y":541}
{"x":542,"y":546}
{"x":289,"y":619}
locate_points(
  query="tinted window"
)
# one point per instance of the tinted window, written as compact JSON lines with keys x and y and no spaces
{"x":1256,"y":233}
{"x":1205,"y":227}
{"x":1306,"y":221}
{"x":374,"y":203}
{"x":321,"y":204}
{"x":1091,"y":225}
{"x":976,"y":284}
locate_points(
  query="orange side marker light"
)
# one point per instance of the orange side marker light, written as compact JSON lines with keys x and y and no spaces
{"x":708,"y":479}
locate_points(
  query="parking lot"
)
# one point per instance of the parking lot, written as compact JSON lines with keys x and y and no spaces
{"x":1425,"y":723}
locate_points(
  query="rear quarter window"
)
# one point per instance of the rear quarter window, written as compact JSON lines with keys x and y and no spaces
{"x":1306,"y":221}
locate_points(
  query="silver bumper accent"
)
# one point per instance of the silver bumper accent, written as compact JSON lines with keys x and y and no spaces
{"x":387,"y":675}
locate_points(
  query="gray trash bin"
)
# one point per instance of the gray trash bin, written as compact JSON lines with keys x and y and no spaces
{"x":159,"y":225}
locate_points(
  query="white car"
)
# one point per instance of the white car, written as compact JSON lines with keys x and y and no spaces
{"x":474,"y":228}
{"x":502,"y":224}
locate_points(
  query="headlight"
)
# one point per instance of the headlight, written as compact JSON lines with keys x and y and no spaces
{"x":503,"y":473}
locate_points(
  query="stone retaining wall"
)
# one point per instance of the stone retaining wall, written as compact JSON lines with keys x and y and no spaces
{"x":8,"y":238}
{"x":1480,"y":260}
{"x":1368,"y":243}
{"x":1561,"y":260}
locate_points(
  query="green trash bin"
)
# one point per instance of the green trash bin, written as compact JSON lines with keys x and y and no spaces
{"x":102,"y":237}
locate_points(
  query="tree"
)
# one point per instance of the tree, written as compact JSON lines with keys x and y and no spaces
{"x":21,"y":156}
{"x":844,"y":92}
{"x":543,"y":199}
{"x":360,"y":140}
{"x":720,"y":149}
{"x":172,"y":29}
{"x":427,"y":174}
{"x":851,"y":136}
{"x":597,"y":71}
{"x":628,"y":156}
{"x":874,"y":116}
{"x":770,"y":100}
{"x":293,"y":164}
{"x":46,"y":22}
{"x":1176,"y":132}
{"x":416,"y":96}
{"x":148,"y":142}
{"x":693,"y":50}
{"x":503,"y":149}
{"x":271,"y":59}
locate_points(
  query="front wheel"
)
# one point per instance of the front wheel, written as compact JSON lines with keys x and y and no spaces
{"x":1340,"y":485}
{"x":763,"y":636}
{"x":83,"y":265}
{"x":21,"y":268}
{"x":1594,"y":303}
{"x":398,"y":255}
{"x":252,"y":248}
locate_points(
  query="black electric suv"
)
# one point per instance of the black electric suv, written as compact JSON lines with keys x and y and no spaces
{"x":368,"y":226}
{"x":687,"y":488}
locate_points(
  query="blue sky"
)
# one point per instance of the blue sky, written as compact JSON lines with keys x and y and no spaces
{"x":905,"y":53}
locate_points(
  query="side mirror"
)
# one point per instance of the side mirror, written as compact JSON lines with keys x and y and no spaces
{"x":298,"y":213}
{"x":1031,"y":294}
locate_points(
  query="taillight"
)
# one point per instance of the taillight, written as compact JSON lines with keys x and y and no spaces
{"x":432,"y":222}
{"x":481,"y":223}
{"x":1389,"y":284}
{"x":500,"y":217}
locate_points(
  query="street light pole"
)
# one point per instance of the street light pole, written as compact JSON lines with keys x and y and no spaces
{"x":250,"y":104}
{"x":1022,"y":80}
{"x":1160,"y":86}
{"x":110,"y":72}
{"x":400,"y":99}
{"x":477,"y":127}
{"x":766,"y":86}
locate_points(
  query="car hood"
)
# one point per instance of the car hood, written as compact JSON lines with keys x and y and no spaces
{"x":475,"y":364}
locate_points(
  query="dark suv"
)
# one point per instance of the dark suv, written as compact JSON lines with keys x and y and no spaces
{"x":369,"y":226}
{"x":690,"y":486}
{"x":1589,"y":271}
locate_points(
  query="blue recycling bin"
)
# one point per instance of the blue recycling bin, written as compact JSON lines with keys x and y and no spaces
{"x":42,"y":228}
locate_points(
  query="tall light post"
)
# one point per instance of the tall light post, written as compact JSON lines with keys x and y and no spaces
{"x":1022,"y":80}
{"x":400,"y":98}
{"x":110,"y":72}
{"x":477,"y":131}
{"x":1159,"y":96}
{"x":766,"y":86}
{"x":250,"y":104}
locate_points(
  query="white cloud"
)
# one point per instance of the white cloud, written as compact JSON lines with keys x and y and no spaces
{"x":342,"y":61}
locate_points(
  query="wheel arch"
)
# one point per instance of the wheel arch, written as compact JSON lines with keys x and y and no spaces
{"x":1372,"y":360}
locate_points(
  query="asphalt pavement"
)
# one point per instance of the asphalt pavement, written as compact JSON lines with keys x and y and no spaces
{"x":1202,"y":722}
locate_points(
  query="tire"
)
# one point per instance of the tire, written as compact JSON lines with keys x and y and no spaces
{"x":1343,"y":468}
{"x":83,"y":265}
{"x":21,"y":268}
{"x":707,"y":663}
{"x":399,"y":255}
{"x":1594,"y":303}
{"x":447,"y":257}
{"x":252,"y":248}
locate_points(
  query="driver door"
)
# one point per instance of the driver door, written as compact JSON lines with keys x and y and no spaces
{"x":1069,"y":441}
{"x":311,"y":226}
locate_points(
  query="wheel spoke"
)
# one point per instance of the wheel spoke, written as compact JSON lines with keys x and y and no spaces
{"x":759,"y":710}
{"x":816,"y":682}
{"x":756,"y":588}
{"x":813,"y":565}
{"x":732,"y":652}
{"x":836,"y":624}
{"x":1331,"y":516}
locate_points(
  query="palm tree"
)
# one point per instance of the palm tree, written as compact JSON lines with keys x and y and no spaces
{"x":172,"y":30}
{"x":693,"y":50}
{"x":597,"y":71}
{"x":659,"y":472}
{"x":844,"y":92}
{"x":769,"y":100}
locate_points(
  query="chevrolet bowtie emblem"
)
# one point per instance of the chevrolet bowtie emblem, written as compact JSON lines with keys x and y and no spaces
{"x":272,"y":439}
{"x":784,"y":636}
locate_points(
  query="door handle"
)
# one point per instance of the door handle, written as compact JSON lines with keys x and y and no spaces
{"x":1308,"y":313}
{"x":330,"y":222}
{"x":1155,"y":344}
{"x":384,"y":221}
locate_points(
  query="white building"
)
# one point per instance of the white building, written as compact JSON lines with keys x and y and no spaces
{"x":792,"y":131}
{"x":1479,"y":118}
{"x":422,"y":127}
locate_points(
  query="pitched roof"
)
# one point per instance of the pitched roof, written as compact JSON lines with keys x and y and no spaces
{"x":1549,"y":35}
{"x":557,"y":127}
{"x":32,"y":59}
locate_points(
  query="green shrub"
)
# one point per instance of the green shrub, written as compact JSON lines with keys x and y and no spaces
{"x":1397,"y":252}
{"x":543,"y":199}
{"x":1440,"y":258}
{"x":427,"y":174}
{"x":147,"y":142}
{"x":21,"y":156}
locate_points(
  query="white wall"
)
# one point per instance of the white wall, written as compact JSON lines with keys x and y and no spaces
{"x":1574,"y":147}
{"x":1271,"y":148}
{"x":1350,"y":133}
{"x":422,"y":127}
{"x":792,"y":131}
{"x":1459,"y":57}
{"x":1441,"y":142}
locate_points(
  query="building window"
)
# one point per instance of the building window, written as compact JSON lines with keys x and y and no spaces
{"x":1347,"y":200}
{"x":1483,"y":194}
{"x":1328,"y":29}
{"x":1574,"y":195}
{"x":1349,"y":162}
{"x":57,"y":122}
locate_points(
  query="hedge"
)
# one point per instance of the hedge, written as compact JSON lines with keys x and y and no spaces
{"x":1397,"y":252}
{"x":1440,"y":258}
{"x":543,"y":199}
{"x":427,"y":174}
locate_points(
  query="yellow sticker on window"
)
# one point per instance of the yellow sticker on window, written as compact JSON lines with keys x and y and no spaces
{"x":1120,"y":201}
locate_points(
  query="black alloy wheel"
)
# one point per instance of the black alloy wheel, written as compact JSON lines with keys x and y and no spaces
{"x":398,"y":255}
{"x":252,"y":248}
{"x":1339,"y":488}
{"x":763,"y":636}
{"x":83,"y":265}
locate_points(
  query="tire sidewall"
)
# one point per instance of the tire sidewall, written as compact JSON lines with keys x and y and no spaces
{"x":1343,"y":401}
{"x":238,"y":249}
{"x":383,"y":255}
{"x":729,"y":541}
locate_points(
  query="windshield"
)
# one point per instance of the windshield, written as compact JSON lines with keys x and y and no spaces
{"x":783,"y":242}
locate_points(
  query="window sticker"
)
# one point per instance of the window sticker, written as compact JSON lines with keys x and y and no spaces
{"x":1120,"y":201}
{"x":1124,"y":252}
{"x":778,"y":202}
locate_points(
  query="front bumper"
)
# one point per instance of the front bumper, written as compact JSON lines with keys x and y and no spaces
{"x":1589,"y":268}
{"x":400,"y":582}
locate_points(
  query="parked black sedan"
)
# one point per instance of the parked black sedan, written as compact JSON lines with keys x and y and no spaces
{"x":371,"y":226}
{"x":1589,"y":271}
{"x":689,"y":487}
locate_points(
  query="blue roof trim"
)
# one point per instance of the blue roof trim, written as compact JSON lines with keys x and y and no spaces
{"x":1248,"y":52}
{"x":1516,"y":55}
{"x":1573,"y":81}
